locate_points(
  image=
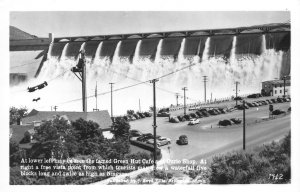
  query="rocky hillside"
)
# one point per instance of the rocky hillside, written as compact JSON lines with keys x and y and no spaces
{"x":17,"y":34}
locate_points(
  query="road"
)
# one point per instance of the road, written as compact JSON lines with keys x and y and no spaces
{"x":207,"y":139}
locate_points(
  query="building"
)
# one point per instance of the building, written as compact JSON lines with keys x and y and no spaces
{"x":36,"y":117}
{"x":22,"y":135}
{"x":276,"y":88}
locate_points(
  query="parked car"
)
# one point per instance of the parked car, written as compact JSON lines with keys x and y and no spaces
{"x":225,"y":122}
{"x":255,"y":95}
{"x":269,"y":101}
{"x":147,"y":114}
{"x":238,"y":98}
{"x":181,"y":118}
{"x":145,"y":137}
{"x":230,"y":109}
{"x":141,"y":115}
{"x":279,"y":100}
{"x":167,"y":110}
{"x":250,"y":104}
{"x":236,"y":121}
{"x":187,"y":117}
{"x":212,"y":112}
{"x":264,"y":102}
{"x":277,"y":112}
{"x":217,"y":111}
{"x":274,"y":100}
{"x":160,"y":141}
{"x":142,"y":138}
{"x":203,"y":110}
{"x":241,"y":107}
{"x":204,"y":113}
{"x":135,"y":133}
{"x":163,"y":114}
{"x":192,"y":115}
{"x":199,"y":114}
{"x":194,"y":122}
{"x":174,"y":120}
{"x":183,"y":140}
{"x":222,"y":110}
{"x":136,"y":116}
{"x":151,"y":142}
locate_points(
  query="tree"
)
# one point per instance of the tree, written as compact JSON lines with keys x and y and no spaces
{"x":130,"y":112}
{"x":14,"y":153}
{"x":121,"y":129}
{"x":54,"y":138}
{"x":88,"y":136}
{"x":15,"y":114}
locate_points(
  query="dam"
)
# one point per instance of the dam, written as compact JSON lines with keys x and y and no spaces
{"x":248,"y":55}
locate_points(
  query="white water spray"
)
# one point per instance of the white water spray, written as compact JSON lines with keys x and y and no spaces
{"x":206,"y":50}
{"x":232,"y":52}
{"x":116,"y":57}
{"x":197,"y":58}
{"x":158,"y":51}
{"x":248,"y":71}
{"x":181,"y":58}
{"x":137,"y":52}
{"x":64,"y":51}
{"x":263,"y":44}
{"x":98,"y":51}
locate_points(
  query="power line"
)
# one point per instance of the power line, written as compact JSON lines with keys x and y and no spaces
{"x":162,"y":89}
{"x":129,"y":86}
{"x":47,"y":80}
{"x":205,"y":80}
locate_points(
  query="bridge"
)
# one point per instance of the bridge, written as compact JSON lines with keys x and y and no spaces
{"x":259,"y":29}
{"x":43,"y":43}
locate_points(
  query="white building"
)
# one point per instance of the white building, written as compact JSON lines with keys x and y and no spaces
{"x":276,"y":88}
{"x":278,"y":91}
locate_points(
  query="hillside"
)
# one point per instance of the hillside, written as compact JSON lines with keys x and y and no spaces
{"x":17,"y":34}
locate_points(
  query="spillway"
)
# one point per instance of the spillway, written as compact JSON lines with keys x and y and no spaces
{"x":249,"y":59}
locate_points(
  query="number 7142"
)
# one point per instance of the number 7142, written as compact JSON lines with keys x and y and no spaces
{"x":275,"y":176}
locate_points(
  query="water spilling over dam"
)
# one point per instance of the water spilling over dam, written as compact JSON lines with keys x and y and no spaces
{"x":225,"y":59}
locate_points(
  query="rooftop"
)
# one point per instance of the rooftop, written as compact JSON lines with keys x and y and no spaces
{"x":277,"y":81}
{"x":102,"y":118}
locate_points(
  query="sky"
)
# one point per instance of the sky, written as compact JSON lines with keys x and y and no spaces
{"x":67,"y":23}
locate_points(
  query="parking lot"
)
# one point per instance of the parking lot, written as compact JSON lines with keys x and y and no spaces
{"x":207,"y":138}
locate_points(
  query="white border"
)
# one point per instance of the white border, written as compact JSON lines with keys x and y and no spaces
{"x":152,"y":5}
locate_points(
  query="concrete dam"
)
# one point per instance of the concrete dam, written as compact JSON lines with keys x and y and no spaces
{"x":248,"y":55}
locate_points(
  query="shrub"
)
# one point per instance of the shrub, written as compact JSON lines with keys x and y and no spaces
{"x":253,"y":167}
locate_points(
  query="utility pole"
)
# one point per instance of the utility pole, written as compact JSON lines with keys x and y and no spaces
{"x":139,"y":105}
{"x":205,"y":80}
{"x":111,"y":101}
{"x":154,"y":121}
{"x":184,"y":89}
{"x":96,"y":98}
{"x":284,"y":80}
{"x":210,"y":97}
{"x":236,"y":92}
{"x":81,"y":70}
{"x":244,"y":126}
{"x":177,"y":95}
